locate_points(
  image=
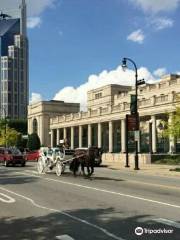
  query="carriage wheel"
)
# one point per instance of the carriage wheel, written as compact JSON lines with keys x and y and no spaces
{"x":59,"y":168}
{"x":40,"y":167}
{"x":63,"y":165}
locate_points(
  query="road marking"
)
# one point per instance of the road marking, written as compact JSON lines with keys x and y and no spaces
{"x":154,"y":184}
{"x":167,"y":222}
{"x":130,"y":181}
{"x":64,"y":237}
{"x":107,"y":191}
{"x":31,"y":171}
{"x":6,"y":199}
{"x":106,"y":232}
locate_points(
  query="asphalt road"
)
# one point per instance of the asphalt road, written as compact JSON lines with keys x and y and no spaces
{"x":110,"y":205}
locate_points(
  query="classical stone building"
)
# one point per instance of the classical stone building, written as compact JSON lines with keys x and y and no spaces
{"x":39,"y":115}
{"x":103,"y":124}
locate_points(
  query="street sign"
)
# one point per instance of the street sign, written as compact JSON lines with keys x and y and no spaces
{"x":132,"y":122}
{"x":136,"y":136}
{"x":141,"y":82}
{"x":24,"y":136}
{"x":133,"y":104}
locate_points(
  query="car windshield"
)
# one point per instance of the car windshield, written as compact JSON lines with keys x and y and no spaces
{"x":15,"y":151}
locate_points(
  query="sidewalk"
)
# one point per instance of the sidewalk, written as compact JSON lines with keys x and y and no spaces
{"x":152,"y":169}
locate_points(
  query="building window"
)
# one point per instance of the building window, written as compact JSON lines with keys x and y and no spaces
{"x":15,"y":110}
{"x":9,"y":98}
{"x":98,"y":95}
{"x":35,"y":126}
{"x":162,"y":98}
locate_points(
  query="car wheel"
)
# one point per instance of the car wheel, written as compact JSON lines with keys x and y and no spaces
{"x":23,"y":164}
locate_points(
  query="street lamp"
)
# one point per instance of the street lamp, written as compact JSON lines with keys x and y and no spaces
{"x":135,"y":107}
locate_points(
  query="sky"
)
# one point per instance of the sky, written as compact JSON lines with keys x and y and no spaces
{"x":77,"y":45}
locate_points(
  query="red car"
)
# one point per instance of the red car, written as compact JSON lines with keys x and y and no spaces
{"x":31,"y":155}
{"x":11,"y":156}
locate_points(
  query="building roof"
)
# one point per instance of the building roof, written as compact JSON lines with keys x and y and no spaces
{"x":117,"y":86}
{"x":6,"y":24}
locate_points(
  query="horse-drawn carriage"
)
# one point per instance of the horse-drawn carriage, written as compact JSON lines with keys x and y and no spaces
{"x":51,"y":158}
{"x":80,"y":160}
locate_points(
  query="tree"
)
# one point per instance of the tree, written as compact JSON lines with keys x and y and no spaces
{"x":33,"y":142}
{"x":19,"y":125}
{"x":8,"y":136}
{"x":20,"y":142}
{"x":173,"y":128}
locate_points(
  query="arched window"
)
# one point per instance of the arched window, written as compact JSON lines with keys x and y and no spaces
{"x":35,"y":126}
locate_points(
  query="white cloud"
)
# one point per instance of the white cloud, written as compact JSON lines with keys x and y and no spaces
{"x":33,"y":22}
{"x":35,"y":97}
{"x":156,"y":6}
{"x":162,"y":23}
{"x":34,"y":9}
{"x":117,"y":76}
{"x":160,"y":72}
{"x":136,"y":36}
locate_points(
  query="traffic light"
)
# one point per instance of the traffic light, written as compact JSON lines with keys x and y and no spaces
{"x":133,"y":104}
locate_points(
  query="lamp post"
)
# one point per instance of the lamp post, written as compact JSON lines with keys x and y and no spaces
{"x":150,"y":137}
{"x":137,"y":82}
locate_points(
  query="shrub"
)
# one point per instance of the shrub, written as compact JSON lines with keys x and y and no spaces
{"x":33,"y":142}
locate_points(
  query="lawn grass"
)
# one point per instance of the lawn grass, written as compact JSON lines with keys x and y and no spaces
{"x":166,"y":159}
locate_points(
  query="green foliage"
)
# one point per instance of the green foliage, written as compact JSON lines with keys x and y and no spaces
{"x":20,"y":142}
{"x":173,"y":128}
{"x":19,"y":124}
{"x":8,"y":136}
{"x":33,"y":142}
{"x":166,"y":159}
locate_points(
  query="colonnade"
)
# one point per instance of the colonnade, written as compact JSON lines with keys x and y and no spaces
{"x":110,"y":138}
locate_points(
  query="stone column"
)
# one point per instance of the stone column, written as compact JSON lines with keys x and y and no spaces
{"x":89,"y":135}
{"x":154,"y":134}
{"x":41,"y":129}
{"x":52,"y":137}
{"x":57,"y":136}
{"x":172,"y":144}
{"x":123,"y":135}
{"x":99,"y":135}
{"x":64,"y":133}
{"x":72,"y":137}
{"x":110,"y":137}
{"x":29,"y":125}
{"x":38,"y":126}
{"x":80,"y":136}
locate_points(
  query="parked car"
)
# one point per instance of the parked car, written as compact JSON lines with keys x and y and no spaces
{"x":31,"y":155}
{"x":12,"y":156}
